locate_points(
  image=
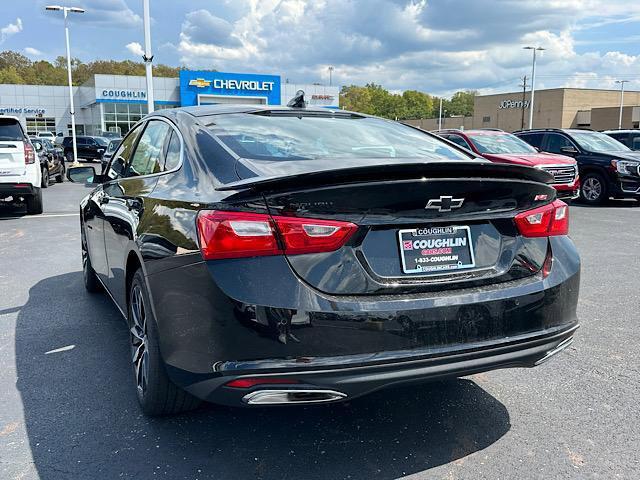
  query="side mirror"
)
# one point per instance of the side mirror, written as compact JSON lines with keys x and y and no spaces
{"x":81,"y":175}
{"x":569,"y":150}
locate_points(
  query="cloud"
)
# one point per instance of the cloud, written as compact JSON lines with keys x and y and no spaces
{"x":135,"y":48}
{"x":32,"y":51}
{"x":405,"y":44}
{"x":10,"y":29}
{"x":109,"y":13}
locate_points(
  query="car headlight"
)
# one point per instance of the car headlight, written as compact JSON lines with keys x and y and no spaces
{"x":626,"y":167}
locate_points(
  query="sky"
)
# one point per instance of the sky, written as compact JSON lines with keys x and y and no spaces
{"x":437,"y":46}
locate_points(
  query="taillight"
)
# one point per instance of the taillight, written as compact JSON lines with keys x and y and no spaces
{"x":29,"y":153}
{"x":545,"y":221}
{"x":240,"y":234}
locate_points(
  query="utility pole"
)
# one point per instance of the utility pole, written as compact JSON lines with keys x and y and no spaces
{"x":524,"y":93}
{"x":440,"y":116}
{"x":330,"y":75}
{"x":621,"y":82}
{"x":148,"y":57}
{"x":533,"y":82}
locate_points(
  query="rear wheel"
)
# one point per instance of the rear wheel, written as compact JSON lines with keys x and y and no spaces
{"x":69,"y":157}
{"x":156,"y":393}
{"x":45,"y":178}
{"x":593,"y":189}
{"x":34,"y":202}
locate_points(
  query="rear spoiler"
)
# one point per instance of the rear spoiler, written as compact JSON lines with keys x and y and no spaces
{"x":402,"y":171}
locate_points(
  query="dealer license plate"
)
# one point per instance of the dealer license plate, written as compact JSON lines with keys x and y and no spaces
{"x":436,"y":249}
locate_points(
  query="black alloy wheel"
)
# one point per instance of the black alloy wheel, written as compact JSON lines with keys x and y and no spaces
{"x":593,"y":189}
{"x":45,"y":178}
{"x":157,"y":394}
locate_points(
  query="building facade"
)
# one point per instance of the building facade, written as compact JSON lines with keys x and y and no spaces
{"x":556,"y":108}
{"x":113,"y":103}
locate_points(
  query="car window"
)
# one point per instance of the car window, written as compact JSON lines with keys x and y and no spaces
{"x":10,"y":129}
{"x":122,"y":155}
{"x":458,"y":140}
{"x":147,"y":158}
{"x":635,"y":142}
{"x":37,"y":145}
{"x":172,"y":157}
{"x":80,"y":141}
{"x":500,"y":143}
{"x":533,"y":139}
{"x":555,"y":143}
{"x":598,"y":142}
{"x":286,"y":137}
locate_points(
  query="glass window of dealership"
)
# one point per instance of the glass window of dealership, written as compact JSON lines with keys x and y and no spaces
{"x":114,"y":103}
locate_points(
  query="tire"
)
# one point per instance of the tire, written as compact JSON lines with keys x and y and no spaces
{"x":91,"y":282}
{"x":69,"y":157}
{"x":34,"y":202}
{"x":157,"y":394}
{"x":60,"y":177}
{"x":593,"y":190}
{"x":45,"y":178}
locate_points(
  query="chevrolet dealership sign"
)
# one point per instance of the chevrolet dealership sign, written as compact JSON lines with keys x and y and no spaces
{"x":221,"y":84}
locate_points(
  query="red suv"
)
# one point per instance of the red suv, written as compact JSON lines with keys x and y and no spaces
{"x":502,"y":147}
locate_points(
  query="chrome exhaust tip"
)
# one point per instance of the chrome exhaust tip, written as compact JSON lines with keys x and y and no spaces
{"x":281,"y":397}
{"x":557,"y":349}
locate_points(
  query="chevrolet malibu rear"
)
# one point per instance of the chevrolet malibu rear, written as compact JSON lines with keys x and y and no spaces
{"x":300,"y":256}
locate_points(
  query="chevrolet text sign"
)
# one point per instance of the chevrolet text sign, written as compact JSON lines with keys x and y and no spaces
{"x":514,"y":104}
{"x":194,"y":84}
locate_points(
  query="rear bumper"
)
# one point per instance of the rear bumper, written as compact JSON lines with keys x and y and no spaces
{"x":218,"y":323}
{"x":16,"y":189}
{"x":351,"y":382}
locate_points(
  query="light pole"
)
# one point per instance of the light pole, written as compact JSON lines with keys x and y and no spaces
{"x":65,"y":11}
{"x":330,"y":74}
{"x":621,"y":82}
{"x":533,"y":82}
{"x":148,"y":57}
{"x":440,"y":116}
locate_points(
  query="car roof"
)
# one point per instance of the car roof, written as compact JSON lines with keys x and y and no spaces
{"x":207,"y":110}
{"x":622,"y":130}
{"x":12,"y":117}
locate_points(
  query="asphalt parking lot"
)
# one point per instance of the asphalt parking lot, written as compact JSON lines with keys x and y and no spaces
{"x":68,"y":408}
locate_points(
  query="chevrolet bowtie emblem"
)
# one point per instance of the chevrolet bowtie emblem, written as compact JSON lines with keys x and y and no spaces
{"x":444,"y":203}
{"x":199,"y":82}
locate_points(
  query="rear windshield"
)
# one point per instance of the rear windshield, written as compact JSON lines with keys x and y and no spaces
{"x":101,"y":141}
{"x":500,"y":143}
{"x":309,"y":137}
{"x":10,"y":129}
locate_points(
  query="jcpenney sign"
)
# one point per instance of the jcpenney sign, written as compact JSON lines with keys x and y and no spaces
{"x":514,"y":104}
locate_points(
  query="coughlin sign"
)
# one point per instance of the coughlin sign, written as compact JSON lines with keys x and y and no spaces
{"x":223,"y":84}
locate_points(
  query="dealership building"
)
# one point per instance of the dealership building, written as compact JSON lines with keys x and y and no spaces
{"x":113,"y":103}
{"x":553,"y":108}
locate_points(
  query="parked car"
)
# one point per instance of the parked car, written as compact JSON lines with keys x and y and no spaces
{"x":502,"y":147}
{"x":51,"y":163}
{"x":113,"y":145}
{"x":630,"y":138}
{"x":48,"y":135}
{"x":271,"y":255}
{"x":607,"y":167}
{"x":20,"y":174}
{"x":89,"y":148}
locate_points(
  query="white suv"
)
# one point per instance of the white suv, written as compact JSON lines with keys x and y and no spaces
{"x":20,"y":174}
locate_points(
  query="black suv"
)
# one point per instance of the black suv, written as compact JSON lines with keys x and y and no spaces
{"x":89,"y":148}
{"x":631,"y":138}
{"x":607,"y":167}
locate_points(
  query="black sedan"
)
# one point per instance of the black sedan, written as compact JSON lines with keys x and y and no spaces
{"x":51,"y":161}
{"x":272,"y":255}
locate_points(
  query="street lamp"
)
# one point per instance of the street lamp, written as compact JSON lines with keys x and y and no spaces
{"x":533,"y":81}
{"x":66,"y":11}
{"x":148,"y":57}
{"x":330,"y":74}
{"x":621,"y":82}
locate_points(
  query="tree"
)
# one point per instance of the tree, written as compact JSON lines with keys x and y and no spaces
{"x":13,"y":59}
{"x":461,"y":103}
{"x":10,"y":75}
